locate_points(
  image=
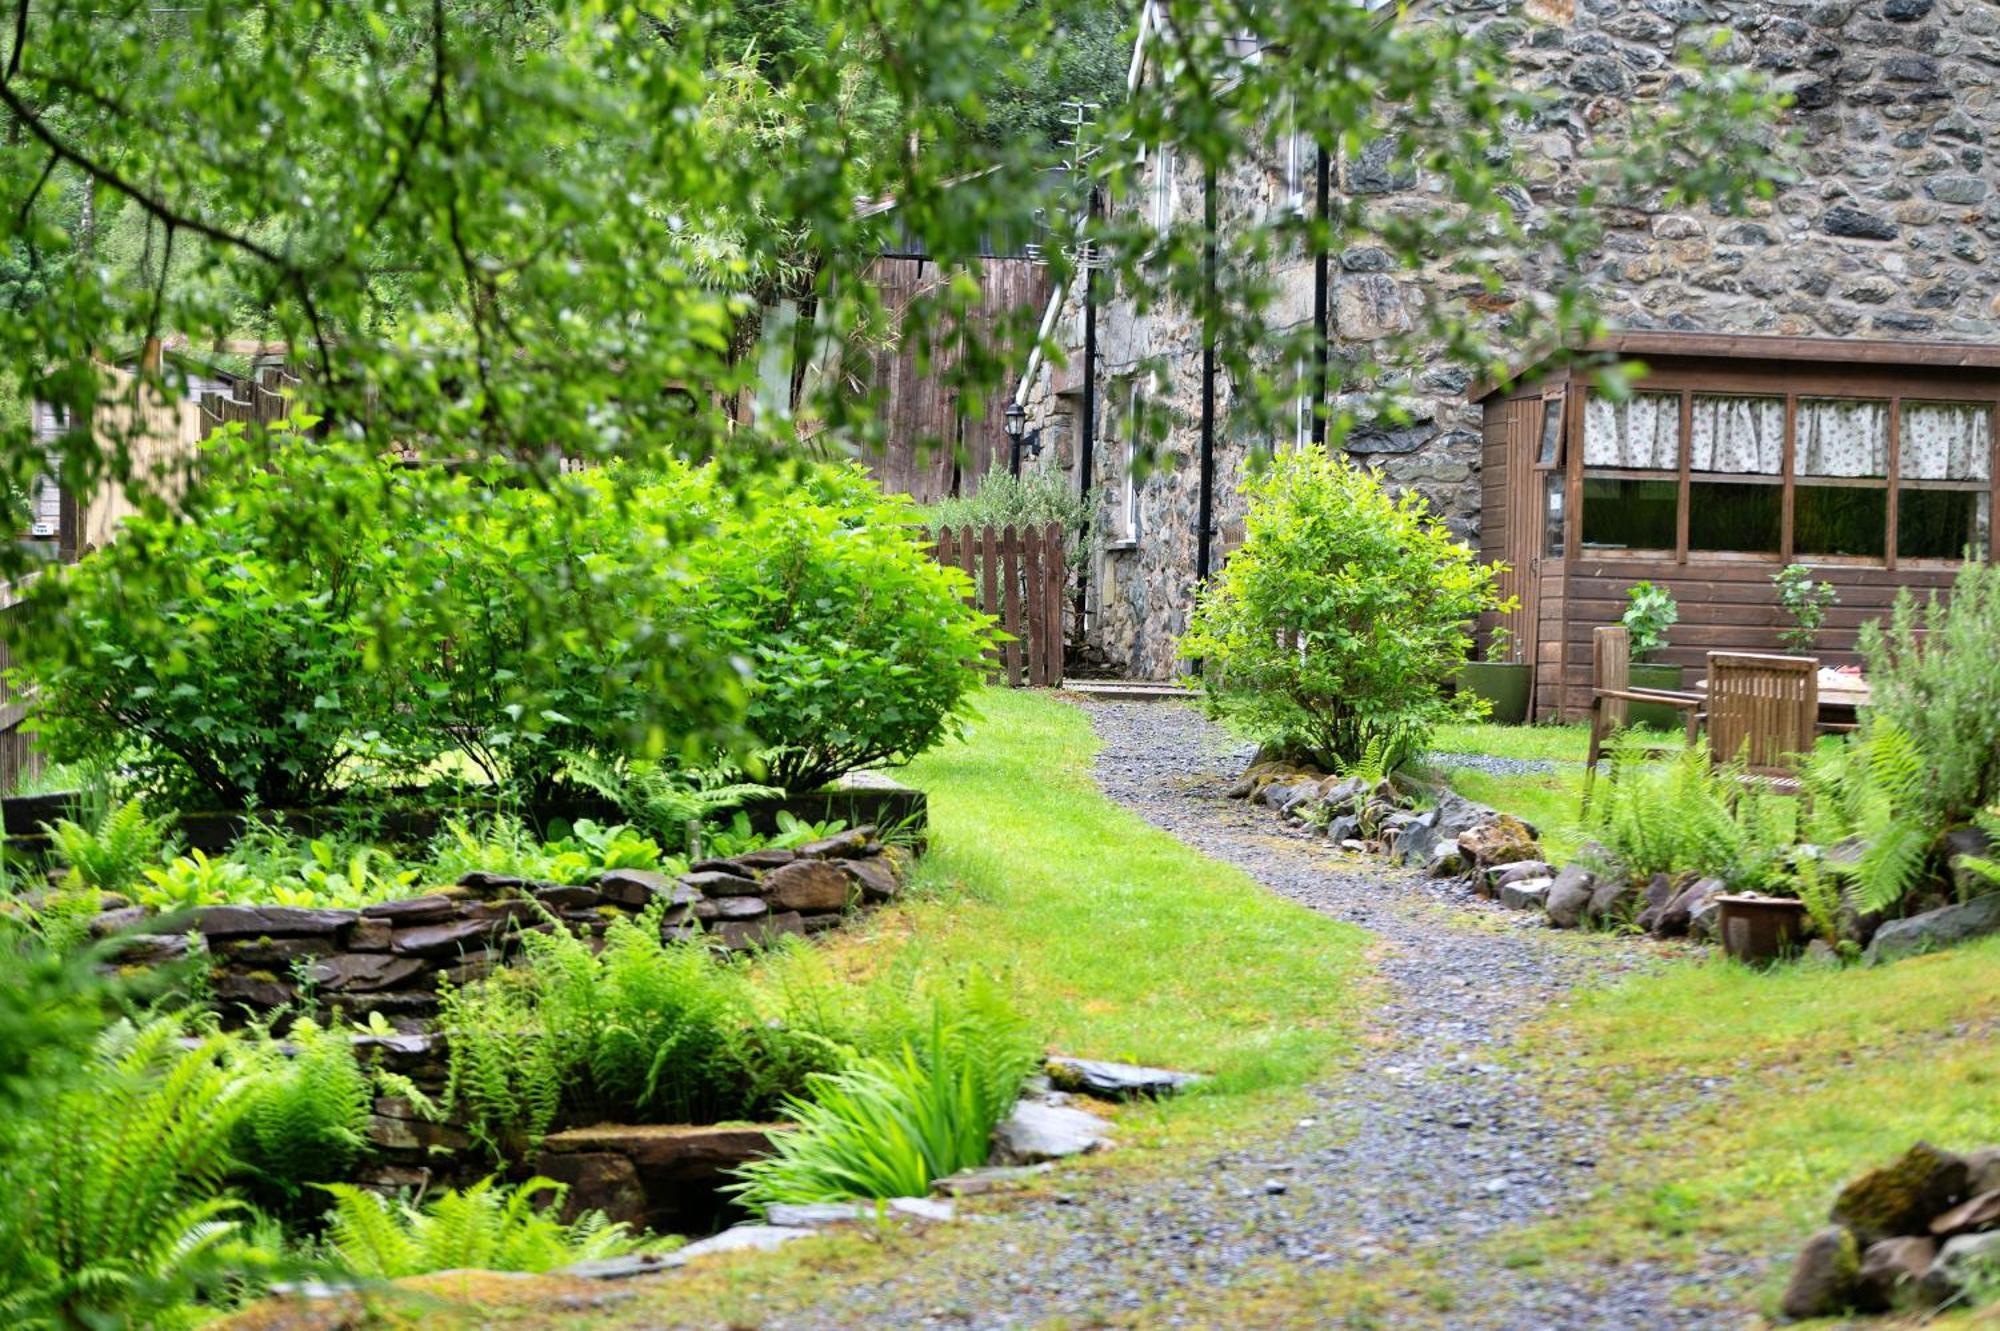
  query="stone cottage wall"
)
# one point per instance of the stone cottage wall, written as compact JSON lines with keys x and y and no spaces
{"x":1887,"y":233}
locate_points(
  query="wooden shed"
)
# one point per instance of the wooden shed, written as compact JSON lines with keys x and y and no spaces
{"x":1873,"y":463}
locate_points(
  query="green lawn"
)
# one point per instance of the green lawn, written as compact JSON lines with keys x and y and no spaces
{"x":1122,"y":942}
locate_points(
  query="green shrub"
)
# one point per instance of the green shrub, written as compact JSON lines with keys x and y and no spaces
{"x":565,"y":626}
{"x":1342,"y":617}
{"x":486,"y":1227}
{"x":888,"y":1125}
{"x":1684,"y":816}
{"x":235,"y":658}
{"x":1805,"y":601}
{"x":1931,"y":672}
{"x":860,"y":648}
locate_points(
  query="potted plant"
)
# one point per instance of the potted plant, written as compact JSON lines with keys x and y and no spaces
{"x":1806,"y":602}
{"x":1499,"y":679}
{"x":1651,"y":612}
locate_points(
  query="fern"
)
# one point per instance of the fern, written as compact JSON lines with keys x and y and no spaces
{"x":1873,"y":788}
{"x":661,"y":799}
{"x":122,"y":1206}
{"x":111,"y":854}
{"x":1371,"y":767}
{"x":308,"y":1110}
{"x":483,"y":1227}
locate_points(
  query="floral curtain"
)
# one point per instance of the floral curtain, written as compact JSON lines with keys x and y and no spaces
{"x":1946,"y":441}
{"x":1641,"y":433}
{"x":1737,"y":435}
{"x":1843,"y":437}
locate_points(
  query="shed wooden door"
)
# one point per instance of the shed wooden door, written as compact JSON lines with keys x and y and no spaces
{"x":1511,"y":520}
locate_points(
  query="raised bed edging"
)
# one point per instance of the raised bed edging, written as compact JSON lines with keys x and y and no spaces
{"x":388,"y":957}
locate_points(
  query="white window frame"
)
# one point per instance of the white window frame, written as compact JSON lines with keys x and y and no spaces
{"x":1162,"y":198}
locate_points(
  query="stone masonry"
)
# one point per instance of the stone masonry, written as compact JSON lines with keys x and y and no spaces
{"x":1888,"y":232}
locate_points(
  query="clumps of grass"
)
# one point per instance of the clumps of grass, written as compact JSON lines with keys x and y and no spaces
{"x":890,"y":1124}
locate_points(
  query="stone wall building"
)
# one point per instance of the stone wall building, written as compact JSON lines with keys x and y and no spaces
{"x":1887,"y":236}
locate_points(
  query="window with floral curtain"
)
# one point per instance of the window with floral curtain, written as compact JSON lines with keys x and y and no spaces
{"x":1843,"y":445}
{"x":1640,"y":434}
{"x":1945,"y":461}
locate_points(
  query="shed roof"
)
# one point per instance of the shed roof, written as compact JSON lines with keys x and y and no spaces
{"x":1755,"y":346}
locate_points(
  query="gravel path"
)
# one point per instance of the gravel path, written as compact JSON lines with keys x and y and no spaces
{"x":1428,"y":1147}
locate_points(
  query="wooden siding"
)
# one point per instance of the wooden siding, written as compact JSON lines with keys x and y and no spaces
{"x":934,"y":447}
{"x":1725,"y":605}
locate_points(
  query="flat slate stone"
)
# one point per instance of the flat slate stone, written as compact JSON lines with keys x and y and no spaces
{"x":1936,"y":929}
{"x":730,"y":908}
{"x":875,"y":877}
{"x":350,"y":972}
{"x":436,"y":939}
{"x":641,"y":887}
{"x":752,"y":860}
{"x":481,"y":881}
{"x":270,"y":921}
{"x":672,"y":1151}
{"x":720,"y":883}
{"x":1038,"y":1131}
{"x":120,"y":920}
{"x":562,"y":896}
{"x":813,"y":885}
{"x":1526,"y":893}
{"x":737,"y":934}
{"x":1116,"y":1081}
{"x":822,"y":1215}
{"x":623,"y":1268}
{"x":840,"y":846}
{"x":412,"y":910}
{"x":742,"y":1238}
{"x":989,"y":1179}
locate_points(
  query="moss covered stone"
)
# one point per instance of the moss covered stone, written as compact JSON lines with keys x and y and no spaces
{"x":1902,"y":1197}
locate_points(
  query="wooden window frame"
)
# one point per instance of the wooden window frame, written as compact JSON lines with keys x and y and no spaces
{"x":1790,"y":383}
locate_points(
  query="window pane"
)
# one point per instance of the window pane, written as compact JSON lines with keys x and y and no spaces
{"x":1641,"y":433}
{"x":1552,"y":422}
{"x":1629,"y":515}
{"x":1735,"y":517}
{"x":1740,"y":435}
{"x":1840,"y":520}
{"x":1940,"y":524}
{"x":1552,"y":515}
{"x":1946,"y":441}
{"x":1843,"y":437}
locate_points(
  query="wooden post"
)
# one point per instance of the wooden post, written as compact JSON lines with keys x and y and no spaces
{"x":1038,"y":668}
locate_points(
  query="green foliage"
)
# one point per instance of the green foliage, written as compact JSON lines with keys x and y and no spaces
{"x":659,"y":798}
{"x":861,"y":649}
{"x":1371,"y":767}
{"x":114,"y":1192}
{"x":486,"y":1227}
{"x":193,"y":880}
{"x":1651,"y":612}
{"x":232,"y":660}
{"x":888,"y":1125}
{"x":115,"y":852}
{"x":1035,"y":498}
{"x":309,"y":1100}
{"x":659,"y":1031}
{"x":1931,"y":673}
{"x":1874,"y":787}
{"x":502,"y":844}
{"x":1805,"y":601}
{"x":1984,"y":868}
{"x":1685,"y":816}
{"x":1342,"y":616}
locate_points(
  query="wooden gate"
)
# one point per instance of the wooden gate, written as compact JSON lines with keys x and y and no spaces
{"x":1017,"y":577}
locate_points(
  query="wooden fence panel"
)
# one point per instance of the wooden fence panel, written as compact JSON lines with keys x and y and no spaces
{"x":1015,"y":575}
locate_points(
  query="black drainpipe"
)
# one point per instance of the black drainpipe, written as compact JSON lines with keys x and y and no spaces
{"x":1205,"y":508}
{"x":1322,"y":263}
{"x":1086,"y":460}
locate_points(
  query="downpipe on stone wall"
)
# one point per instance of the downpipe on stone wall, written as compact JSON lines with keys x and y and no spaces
{"x":1205,"y":504}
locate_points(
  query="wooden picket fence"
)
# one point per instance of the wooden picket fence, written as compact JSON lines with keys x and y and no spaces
{"x":1017,"y":577}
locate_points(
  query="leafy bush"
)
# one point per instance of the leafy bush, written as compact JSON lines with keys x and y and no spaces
{"x":115,"y":852}
{"x":564,"y":628}
{"x":1342,"y":617}
{"x":888,"y":1125}
{"x":486,"y":1227}
{"x":656,"y":1030}
{"x":1035,"y":498}
{"x":1931,"y":673}
{"x":1873,"y":787}
{"x":236,"y":658}
{"x":1650,"y":613}
{"x":860,"y":647}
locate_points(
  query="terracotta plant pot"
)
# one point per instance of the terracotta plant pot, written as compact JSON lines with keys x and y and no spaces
{"x":1504,"y":684}
{"x":1758,"y":929}
{"x":1657,"y":715}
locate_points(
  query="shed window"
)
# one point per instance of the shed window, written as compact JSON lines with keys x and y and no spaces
{"x":1642,"y":433}
{"x":1736,"y":457}
{"x":1944,"y":507}
{"x":1841,"y":506}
